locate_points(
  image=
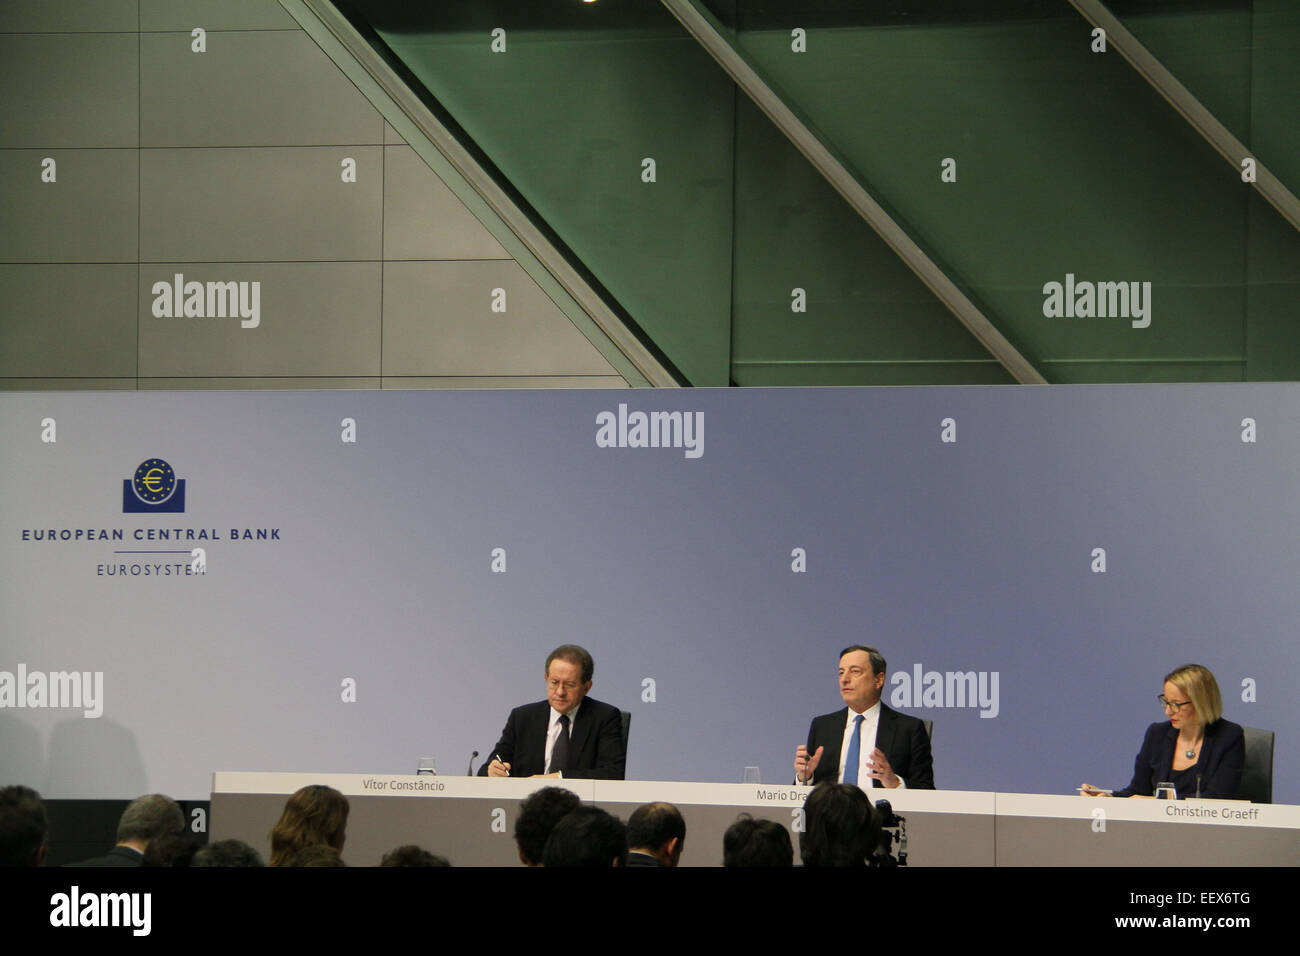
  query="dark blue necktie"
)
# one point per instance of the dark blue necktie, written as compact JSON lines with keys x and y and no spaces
{"x":854,"y":757}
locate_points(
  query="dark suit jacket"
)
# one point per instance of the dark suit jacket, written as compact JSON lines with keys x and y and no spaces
{"x":902,"y":739}
{"x":595,"y":741}
{"x":642,"y":859}
{"x":1223,"y":754}
{"x":118,"y":856}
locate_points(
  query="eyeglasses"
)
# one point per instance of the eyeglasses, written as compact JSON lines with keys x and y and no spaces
{"x":1176,"y":705}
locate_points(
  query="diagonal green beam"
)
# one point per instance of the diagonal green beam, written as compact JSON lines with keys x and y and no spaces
{"x":707,"y":32}
{"x":489,"y":203}
{"x":1189,"y":107}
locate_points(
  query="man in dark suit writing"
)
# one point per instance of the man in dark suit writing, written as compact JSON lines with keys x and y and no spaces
{"x":567,"y":735}
{"x":866,"y":743}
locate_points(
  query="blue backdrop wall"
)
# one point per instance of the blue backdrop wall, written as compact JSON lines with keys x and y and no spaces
{"x":1036,"y":557}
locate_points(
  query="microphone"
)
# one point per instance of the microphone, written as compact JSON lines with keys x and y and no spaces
{"x":470,"y":772}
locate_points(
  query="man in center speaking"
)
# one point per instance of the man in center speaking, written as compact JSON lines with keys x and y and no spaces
{"x":865,"y":743}
{"x":569,"y":734}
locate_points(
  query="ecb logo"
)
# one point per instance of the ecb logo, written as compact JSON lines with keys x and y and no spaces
{"x":155,"y":488}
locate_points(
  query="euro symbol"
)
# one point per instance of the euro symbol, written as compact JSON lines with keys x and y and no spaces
{"x":153,"y":480}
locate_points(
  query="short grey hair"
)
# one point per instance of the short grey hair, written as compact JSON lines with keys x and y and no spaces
{"x":149,"y":817}
{"x":877,"y":659}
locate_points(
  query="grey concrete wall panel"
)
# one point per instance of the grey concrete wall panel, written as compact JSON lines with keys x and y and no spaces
{"x":84,"y":88}
{"x":424,"y":219}
{"x":506,"y":381}
{"x":214,"y":15}
{"x":69,"y":16}
{"x":240,"y":164}
{"x":260,"y":204}
{"x":90,"y":213}
{"x":67,"y":384}
{"x":438,"y":320}
{"x":268,"y":88}
{"x":167,"y":384}
{"x":316,"y":319}
{"x":68,"y":320}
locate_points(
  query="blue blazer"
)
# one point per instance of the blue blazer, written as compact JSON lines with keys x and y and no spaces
{"x":1223,"y":754}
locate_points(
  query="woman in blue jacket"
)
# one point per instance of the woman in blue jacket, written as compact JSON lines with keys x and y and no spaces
{"x":1196,"y":748}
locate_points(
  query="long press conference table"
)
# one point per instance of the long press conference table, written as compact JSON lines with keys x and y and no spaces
{"x":470,"y":820}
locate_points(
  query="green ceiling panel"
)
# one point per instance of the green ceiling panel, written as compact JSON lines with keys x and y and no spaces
{"x":1069,"y":168}
{"x":1067,"y":163}
{"x":861,"y":304}
{"x":569,"y":117}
